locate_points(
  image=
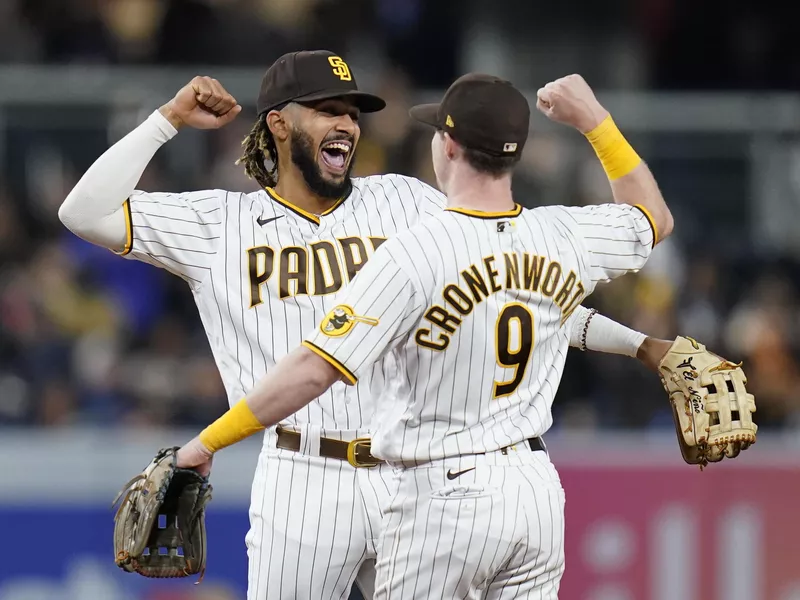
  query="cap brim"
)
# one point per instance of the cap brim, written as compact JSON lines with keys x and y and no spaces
{"x":426,"y":113}
{"x":366,"y":103}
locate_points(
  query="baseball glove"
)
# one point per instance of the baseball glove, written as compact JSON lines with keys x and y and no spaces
{"x":710,"y":403}
{"x":159,"y":528}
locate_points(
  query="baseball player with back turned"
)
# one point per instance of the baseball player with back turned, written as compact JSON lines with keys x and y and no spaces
{"x":470,"y":306}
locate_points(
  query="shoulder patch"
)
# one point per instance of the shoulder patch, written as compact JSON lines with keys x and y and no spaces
{"x":341,"y":320}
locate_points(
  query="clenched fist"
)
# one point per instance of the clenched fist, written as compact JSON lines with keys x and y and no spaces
{"x":570,"y":100}
{"x":203,"y":104}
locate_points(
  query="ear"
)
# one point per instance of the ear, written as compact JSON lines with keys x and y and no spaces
{"x":451,"y":147}
{"x":278,"y":125}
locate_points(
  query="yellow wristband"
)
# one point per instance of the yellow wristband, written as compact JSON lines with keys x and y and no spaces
{"x":234,"y":426}
{"x":615,"y":153}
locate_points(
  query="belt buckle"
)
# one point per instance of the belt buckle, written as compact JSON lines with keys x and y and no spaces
{"x":352,"y":453}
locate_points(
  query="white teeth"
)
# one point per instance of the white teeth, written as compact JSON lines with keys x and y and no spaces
{"x":339,"y":146}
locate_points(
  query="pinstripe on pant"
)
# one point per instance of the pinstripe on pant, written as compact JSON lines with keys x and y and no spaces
{"x":314,"y":524}
{"x":493,"y":532}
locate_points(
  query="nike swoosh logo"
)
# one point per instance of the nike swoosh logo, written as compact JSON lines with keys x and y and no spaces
{"x":263,"y":222}
{"x":451,"y":475}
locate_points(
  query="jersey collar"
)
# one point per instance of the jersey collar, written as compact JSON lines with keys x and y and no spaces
{"x":299,"y":211}
{"x":479,"y":214}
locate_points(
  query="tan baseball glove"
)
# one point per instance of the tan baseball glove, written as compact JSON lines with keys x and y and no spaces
{"x":710,"y":403}
{"x":159,"y":529}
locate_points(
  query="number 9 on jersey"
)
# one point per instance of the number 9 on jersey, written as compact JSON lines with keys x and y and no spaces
{"x":513,"y":345}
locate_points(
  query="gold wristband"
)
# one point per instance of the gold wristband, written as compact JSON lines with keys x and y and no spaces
{"x":615,"y":153}
{"x":232,"y":427}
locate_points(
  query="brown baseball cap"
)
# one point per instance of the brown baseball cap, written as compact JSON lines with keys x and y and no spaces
{"x":481,"y":112}
{"x":311,"y":75}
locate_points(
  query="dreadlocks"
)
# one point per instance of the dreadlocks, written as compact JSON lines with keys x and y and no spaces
{"x":259,"y":146}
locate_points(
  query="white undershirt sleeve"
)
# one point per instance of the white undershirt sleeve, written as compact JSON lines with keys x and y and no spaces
{"x":93,"y":210}
{"x":590,"y":330}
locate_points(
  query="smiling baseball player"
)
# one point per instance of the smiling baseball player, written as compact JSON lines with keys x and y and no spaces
{"x":263,"y":269}
{"x":470,"y":306}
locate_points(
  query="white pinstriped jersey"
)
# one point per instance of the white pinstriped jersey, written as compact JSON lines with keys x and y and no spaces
{"x":472,"y":306}
{"x":263,"y":272}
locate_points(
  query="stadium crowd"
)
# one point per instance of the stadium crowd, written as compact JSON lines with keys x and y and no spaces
{"x":89,"y":338}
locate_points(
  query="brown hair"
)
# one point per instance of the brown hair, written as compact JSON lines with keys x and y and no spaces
{"x":259,"y":145}
{"x":495,"y":166}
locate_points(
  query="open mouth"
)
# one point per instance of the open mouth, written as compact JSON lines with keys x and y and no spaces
{"x":335,"y":155}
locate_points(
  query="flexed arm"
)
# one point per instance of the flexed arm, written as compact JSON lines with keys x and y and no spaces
{"x":94,"y":209}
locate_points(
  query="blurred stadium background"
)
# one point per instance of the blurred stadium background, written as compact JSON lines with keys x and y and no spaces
{"x":103,"y":360}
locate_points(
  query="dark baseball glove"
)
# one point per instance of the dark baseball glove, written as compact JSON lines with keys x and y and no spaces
{"x":159,"y":528}
{"x":711,"y":406}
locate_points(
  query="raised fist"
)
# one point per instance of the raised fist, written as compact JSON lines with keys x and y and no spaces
{"x":570,"y":100}
{"x":203,"y":104}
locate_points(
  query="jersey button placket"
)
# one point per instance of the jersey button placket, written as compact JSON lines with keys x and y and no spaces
{"x":326,"y":222}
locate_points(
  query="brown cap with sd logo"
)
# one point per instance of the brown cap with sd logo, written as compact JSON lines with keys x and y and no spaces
{"x":311,"y":75}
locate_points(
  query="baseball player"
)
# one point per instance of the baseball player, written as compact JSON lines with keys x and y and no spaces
{"x":246,"y":259}
{"x":264,"y":269}
{"x":466,"y":310}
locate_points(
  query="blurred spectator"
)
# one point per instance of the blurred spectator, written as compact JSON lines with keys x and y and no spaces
{"x":87,"y":337}
{"x":19,"y":41}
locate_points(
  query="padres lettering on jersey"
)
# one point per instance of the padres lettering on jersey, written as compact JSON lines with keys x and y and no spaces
{"x":315,"y":269}
{"x":263,"y":272}
{"x":472,"y":306}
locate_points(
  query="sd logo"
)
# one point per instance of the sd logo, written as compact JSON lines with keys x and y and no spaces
{"x":340,"y":68}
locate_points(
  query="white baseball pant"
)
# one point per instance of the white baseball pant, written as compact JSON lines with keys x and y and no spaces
{"x":494,"y":531}
{"x":314,"y":523}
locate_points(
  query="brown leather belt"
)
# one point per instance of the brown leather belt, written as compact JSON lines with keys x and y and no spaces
{"x":357,"y":452}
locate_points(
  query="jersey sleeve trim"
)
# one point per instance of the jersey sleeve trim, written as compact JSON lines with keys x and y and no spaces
{"x":126,"y":208}
{"x":650,"y":220}
{"x":324,"y":355}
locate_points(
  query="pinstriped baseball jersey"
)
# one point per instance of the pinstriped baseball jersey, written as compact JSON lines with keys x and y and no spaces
{"x":264,"y":272}
{"x":472,"y":305}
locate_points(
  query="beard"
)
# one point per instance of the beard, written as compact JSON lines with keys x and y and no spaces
{"x":304,"y":157}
